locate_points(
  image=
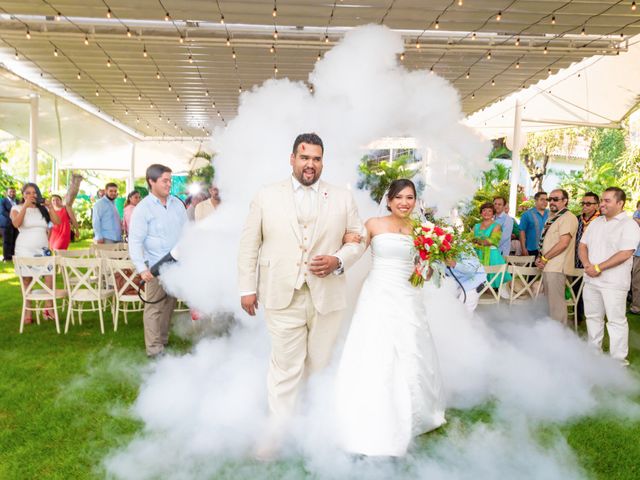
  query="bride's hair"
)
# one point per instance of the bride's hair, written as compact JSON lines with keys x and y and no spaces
{"x":397,"y":186}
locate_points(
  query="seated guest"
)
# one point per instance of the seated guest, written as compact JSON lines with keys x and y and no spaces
{"x":471,"y":279}
{"x":486,"y":238}
{"x":60,"y":236}
{"x":531,"y":224}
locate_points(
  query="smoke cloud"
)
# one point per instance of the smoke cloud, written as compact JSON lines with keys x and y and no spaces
{"x":204,"y":412}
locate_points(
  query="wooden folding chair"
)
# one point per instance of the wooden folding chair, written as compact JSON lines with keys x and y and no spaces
{"x":107,"y":246}
{"x":575,"y":278}
{"x":521,"y":261}
{"x":37,"y":291}
{"x":126,"y":299}
{"x":523,"y":283}
{"x":80,"y":253}
{"x":489,"y":294}
{"x":83,"y":279}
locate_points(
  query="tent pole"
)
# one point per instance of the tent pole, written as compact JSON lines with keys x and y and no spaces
{"x":33,"y":139}
{"x":515,"y":160}
{"x":132,"y":167}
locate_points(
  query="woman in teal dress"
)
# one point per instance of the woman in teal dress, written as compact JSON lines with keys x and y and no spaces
{"x":486,"y":238}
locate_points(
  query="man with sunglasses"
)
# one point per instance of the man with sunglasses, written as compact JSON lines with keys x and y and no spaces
{"x":590,"y":211}
{"x":557,"y":249}
{"x":605,"y":250}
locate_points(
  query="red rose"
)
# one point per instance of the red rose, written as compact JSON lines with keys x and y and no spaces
{"x":423,"y":255}
{"x":448,"y":237}
{"x":446,"y":246}
{"x":417,"y":242}
{"x":428,"y":241}
{"x":438,"y":231}
{"x":426,"y":229}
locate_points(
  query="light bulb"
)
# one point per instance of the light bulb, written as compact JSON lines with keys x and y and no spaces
{"x":499,"y":16}
{"x":55,"y":52}
{"x":28,"y":34}
{"x":108,"y":13}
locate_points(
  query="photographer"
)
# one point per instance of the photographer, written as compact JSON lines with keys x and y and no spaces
{"x":32,"y":219}
{"x":156,"y":225}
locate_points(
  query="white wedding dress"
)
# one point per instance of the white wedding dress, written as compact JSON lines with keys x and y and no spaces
{"x":388,"y":385}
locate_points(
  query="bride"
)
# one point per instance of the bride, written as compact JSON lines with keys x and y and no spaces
{"x":388,"y":386}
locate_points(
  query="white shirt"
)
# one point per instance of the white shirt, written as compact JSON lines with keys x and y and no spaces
{"x":298,"y":192}
{"x":604,"y":238}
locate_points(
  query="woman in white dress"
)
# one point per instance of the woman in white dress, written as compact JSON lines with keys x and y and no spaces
{"x":388,"y":385}
{"x":32,"y":219}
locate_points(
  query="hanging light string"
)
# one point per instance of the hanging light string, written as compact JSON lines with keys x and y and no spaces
{"x":234,"y":55}
{"x":274,"y":46}
{"x":434,"y":22}
{"x":387,"y":11}
{"x":15,"y":17}
{"x":66,"y":87}
{"x":110,"y":59}
{"x":326,"y":29}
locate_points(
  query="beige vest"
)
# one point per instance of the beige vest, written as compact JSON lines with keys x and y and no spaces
{"x":307,"y":225}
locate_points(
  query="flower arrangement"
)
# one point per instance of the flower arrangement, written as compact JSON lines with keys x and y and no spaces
{"x":435,"y":244}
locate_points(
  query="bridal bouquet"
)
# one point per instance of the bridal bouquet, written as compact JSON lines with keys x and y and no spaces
{"x":435,"y":244}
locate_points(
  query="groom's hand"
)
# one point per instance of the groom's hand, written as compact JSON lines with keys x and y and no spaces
{"x":323,"y":265}
{"x":249,"y":303}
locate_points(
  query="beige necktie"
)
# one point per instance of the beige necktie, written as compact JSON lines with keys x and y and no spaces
{"x":306,"y":204}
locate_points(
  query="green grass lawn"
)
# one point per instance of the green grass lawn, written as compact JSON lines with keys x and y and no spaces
{"x":63,"y":395}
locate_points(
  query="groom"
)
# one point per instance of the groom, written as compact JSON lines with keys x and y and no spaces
{"x":292,"y":260}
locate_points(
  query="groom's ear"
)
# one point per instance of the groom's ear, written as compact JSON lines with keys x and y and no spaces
{"x":292,"y":157}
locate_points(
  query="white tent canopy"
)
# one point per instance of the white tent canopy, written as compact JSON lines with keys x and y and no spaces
{"x":81,"y":140}
{"x":600,"y":91}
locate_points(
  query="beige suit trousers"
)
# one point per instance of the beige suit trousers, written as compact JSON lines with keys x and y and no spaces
{"x":157,"y":317}
{"x":554,"y":285}
{"x":302,"y":342}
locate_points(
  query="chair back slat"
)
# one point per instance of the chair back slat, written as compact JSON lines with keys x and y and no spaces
{"x":490,"y":294}
{"x":82,"y":274}
{"x":522,"y":261}
{"x":126,"y":271}
{"x":80,"y":253}
{"x":523,"y":283}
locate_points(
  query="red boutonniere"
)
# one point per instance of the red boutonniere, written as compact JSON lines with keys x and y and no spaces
{"x":324,"y":194}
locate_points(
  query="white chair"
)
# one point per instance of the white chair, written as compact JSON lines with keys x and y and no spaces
{"x":489,"y":294}
{"x":107,"y":246}
{"x":123,"y":273}
{"x":181,"y":307}
{"x":521,"y":261}
{"x":82,"y":277}
{"x":112,"y":254}
{"x":525,"y":283}
{"x":79,"y":253}
{"x":574,"y":279}
{"x":36,"y":293}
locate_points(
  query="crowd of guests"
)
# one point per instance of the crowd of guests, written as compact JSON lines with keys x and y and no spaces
{"x":603,"y":241}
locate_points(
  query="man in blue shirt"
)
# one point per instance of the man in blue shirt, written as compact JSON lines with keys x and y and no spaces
{"x":472,"y":277}
{"x":635,"y":273}
{"x":156,"y":226}
{"x":107,"y":226}
{"x":532,"y":223}
{"x":506,"y":224}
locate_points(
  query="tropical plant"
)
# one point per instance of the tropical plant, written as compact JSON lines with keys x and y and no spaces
{"x":376,"y":176}
{"x":6,"y":180}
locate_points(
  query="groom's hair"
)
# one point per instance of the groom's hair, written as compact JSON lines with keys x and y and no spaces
{"x":310,"y":138}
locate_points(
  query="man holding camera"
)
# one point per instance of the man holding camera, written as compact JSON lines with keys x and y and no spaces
{"x":156,"y":225}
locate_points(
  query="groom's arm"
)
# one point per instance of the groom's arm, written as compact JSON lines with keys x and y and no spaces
{"x":249,"y":248}
{"x":350,"y":252}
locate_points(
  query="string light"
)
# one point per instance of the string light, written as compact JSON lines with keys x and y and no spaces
{"x":158,"y":75}
{"x":275,"y":12}
{"x":240,"y":89}
{"x":583,"y":32}
{"x":459,"y":3}
{"x":517,"y":41}
{"x":553,"y":20}
{"x":228,"y":42}
{"x":493,"y":82}
{"x":177,"y":98}
{"x":473,"y":95}
{"x":272,"y":49}
{"x":468,"y":75}
{"x":124,"y":79}
{"x":489,"y":55}
{"x":499,"y":16}
{"x":473,"y":36}
{"x":275,"y":34}
{"x":169,"y":87}
{"x":128,"y":32}
{"x":28,"y":34}
{"x":58,"y":17}
{"x":97,"y":93}
{"x":233,"y":54}
{"x":318,"y":57}
{"x":108,"y":13}
{"x":206,"y":94}
{"x":167,"y":17}
{"x":222,"y":19}
{"x":108,"y":63}
{"x":417,"y":45}
{"x":78,"y":76}
{"x":55,"y":52}
{"x":437,"y":25}
{"x":275,"y":69}
{"x":402,"y":57}
{"x":326,"y":39}
{"x":139,"y":97}
{"x":17,"y":57}
{"x":517,"y":64}
{"x":181,"y":39}
{"x":86,"y":40}
{"x":633,"y":6}
{"x":549,"y":71}
{"x":190,"y":58}
{"x":545,"y":51}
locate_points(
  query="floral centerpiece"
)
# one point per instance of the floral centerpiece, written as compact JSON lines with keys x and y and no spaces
{"x":435,"y":244}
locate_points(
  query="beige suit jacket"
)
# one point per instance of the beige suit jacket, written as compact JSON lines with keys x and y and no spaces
{"x":271,"y":251}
